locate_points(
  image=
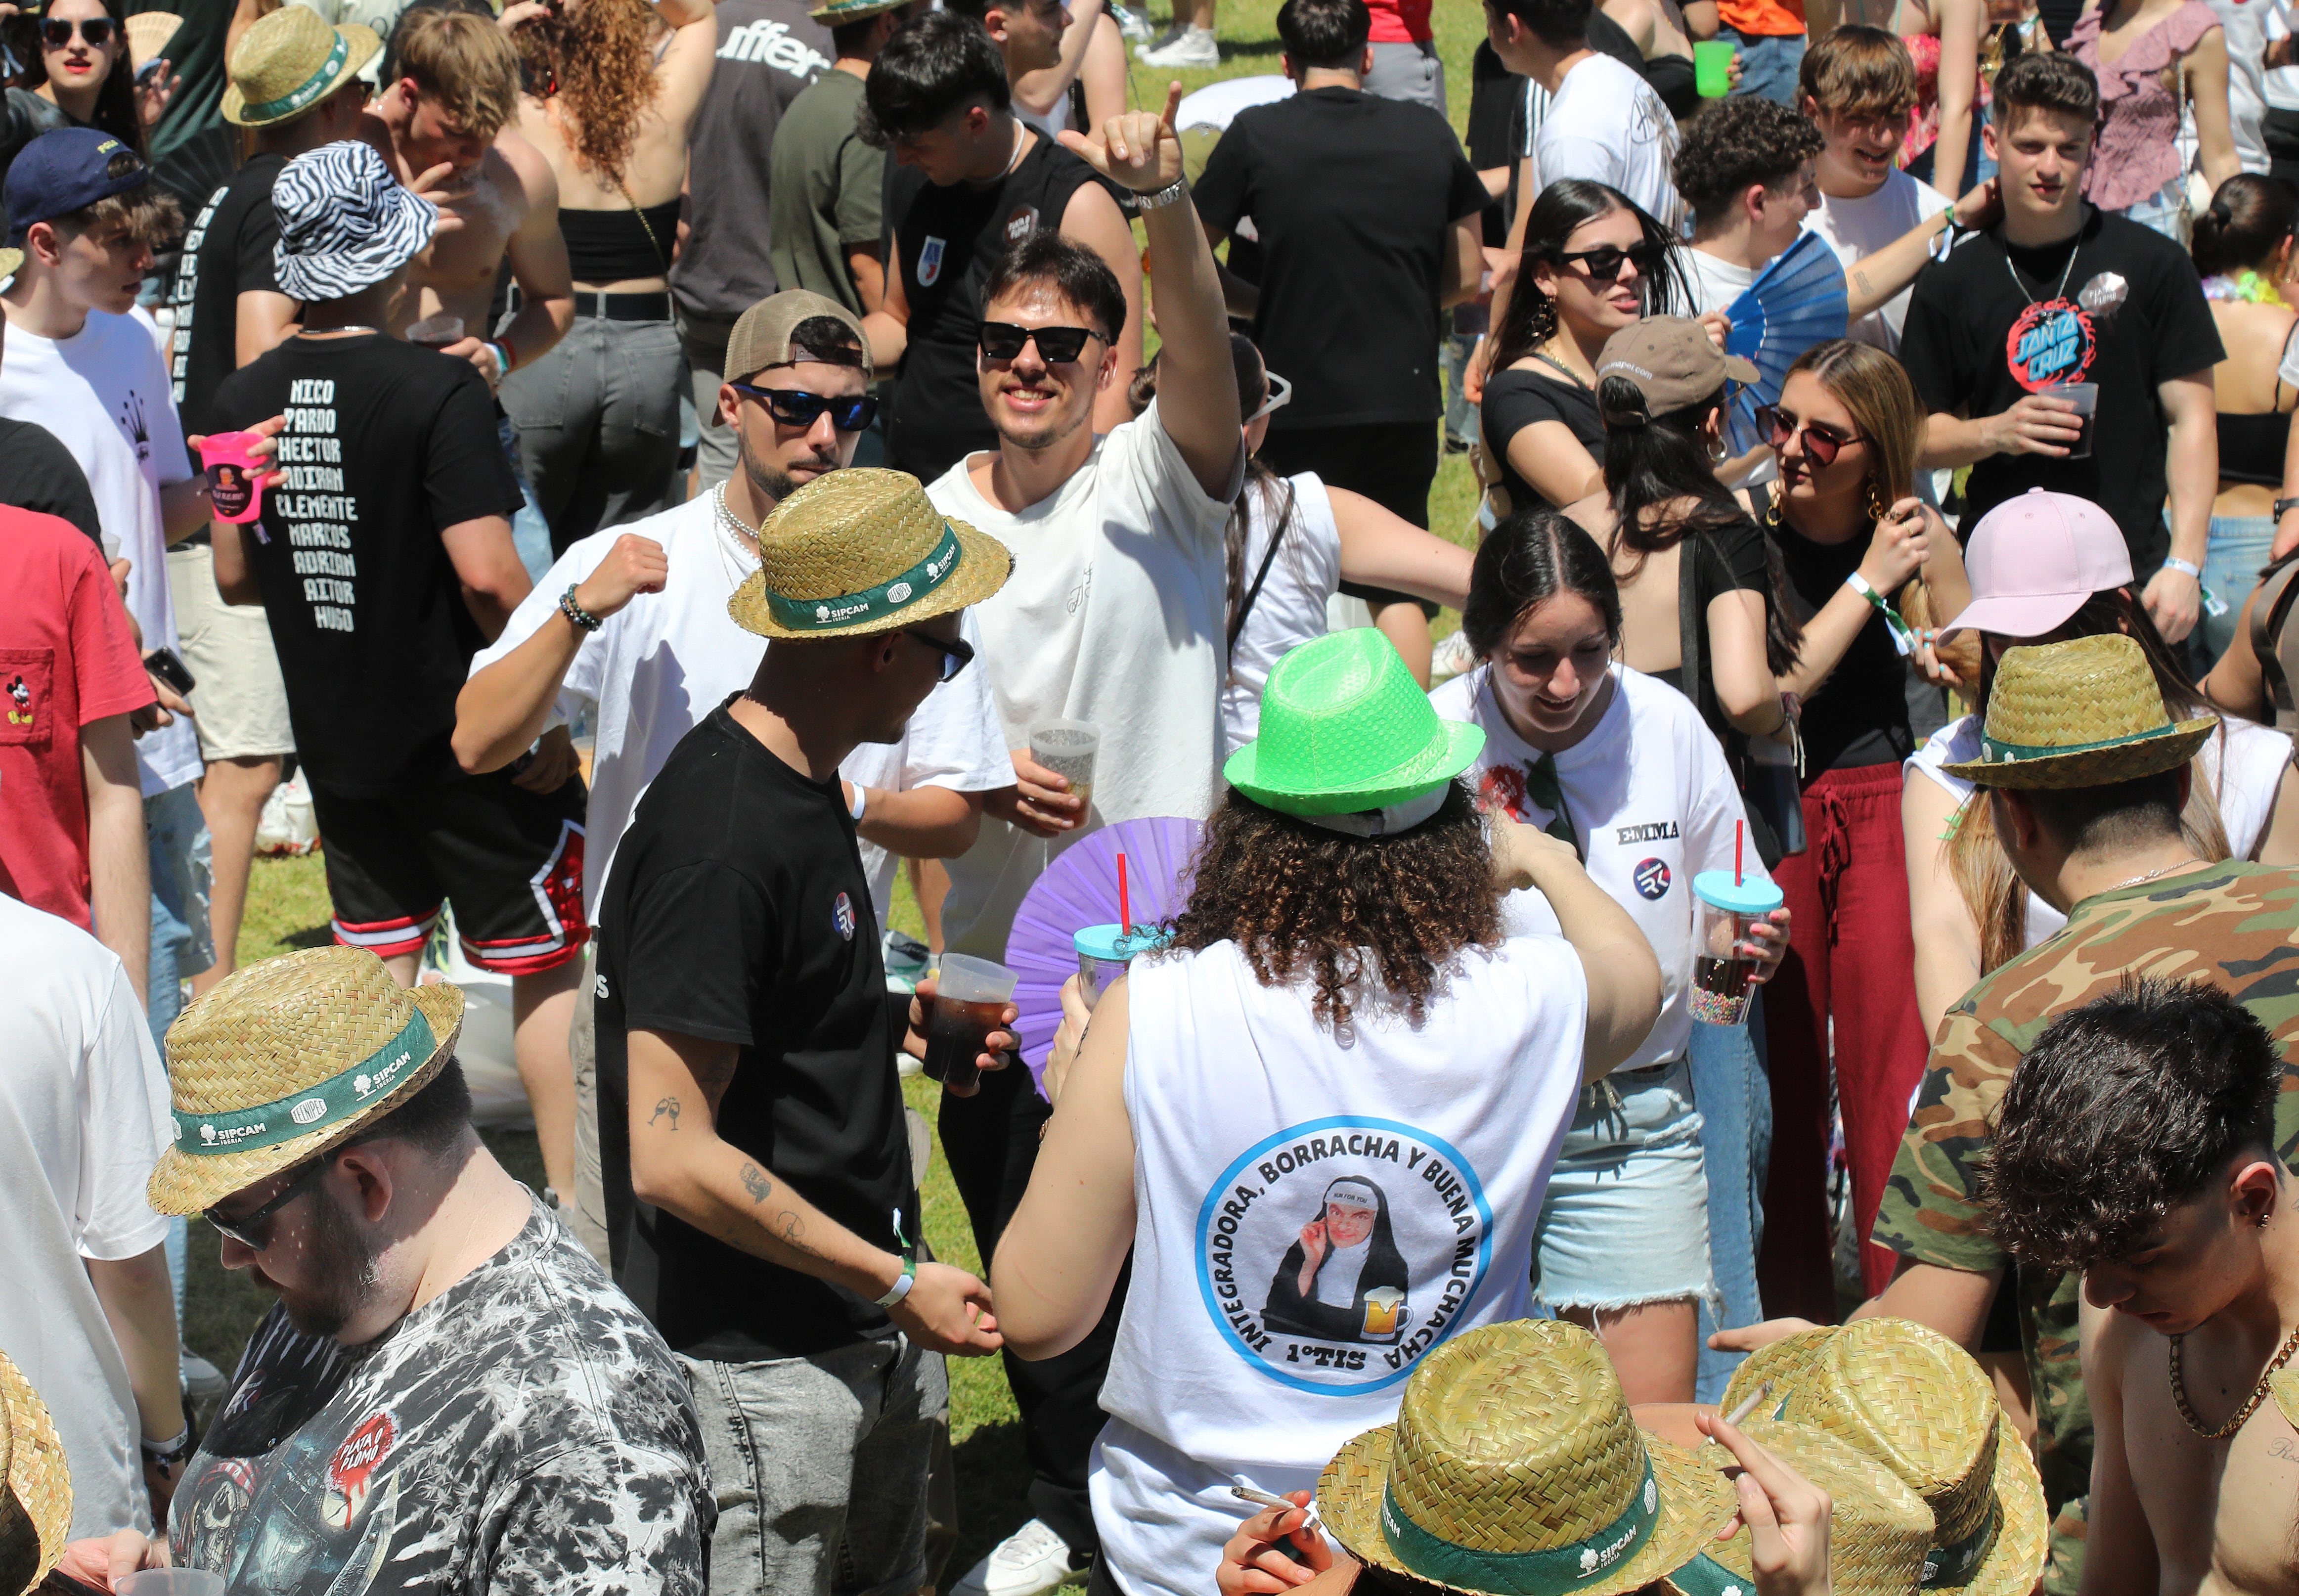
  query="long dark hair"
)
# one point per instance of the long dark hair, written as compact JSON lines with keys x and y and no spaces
{"x":1531,"y":319}
{"x":115,"y":98}
{"x":1532,"y":556}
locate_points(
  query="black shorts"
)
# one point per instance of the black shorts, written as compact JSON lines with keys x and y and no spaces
{"x":509,"y":860}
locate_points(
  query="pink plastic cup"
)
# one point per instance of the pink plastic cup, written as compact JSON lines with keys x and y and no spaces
{"x":235,"y":474}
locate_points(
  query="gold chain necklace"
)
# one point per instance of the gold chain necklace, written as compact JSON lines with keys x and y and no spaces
{"x":2258,"y":1394}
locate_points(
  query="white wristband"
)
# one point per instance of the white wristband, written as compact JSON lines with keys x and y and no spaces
{"x":2185,"y":568}
{"x":861,"y":802}
{"x":900,"y":1288}
{"x":1859,"y":584}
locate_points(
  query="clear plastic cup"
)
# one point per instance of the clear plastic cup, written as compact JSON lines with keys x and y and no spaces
{"x":1721,"y":968}
{"x":436,"y":332}
{"x":235,"y":474}
{"x":1103,"y":952}
{"x":1712,"y":69}
{"x":2085,"y":397}
{"x":1068,"y":748}
{"x":171,"y":1582}
{"x":970,"y":998}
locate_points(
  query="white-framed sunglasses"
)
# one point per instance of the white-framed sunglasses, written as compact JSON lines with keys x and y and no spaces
{"x":1280,"y":393}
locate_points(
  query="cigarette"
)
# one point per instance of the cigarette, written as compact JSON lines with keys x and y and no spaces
{"x":1263,"y":1499}
{"x":1756,"y":1400}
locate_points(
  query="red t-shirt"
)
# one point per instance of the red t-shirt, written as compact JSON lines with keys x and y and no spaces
{"x":66,"y":658}
{"x":1400,"y":21}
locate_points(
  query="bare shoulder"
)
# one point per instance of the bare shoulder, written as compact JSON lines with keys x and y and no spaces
{"x":1593,"y":514}
{"x":521,"y":172}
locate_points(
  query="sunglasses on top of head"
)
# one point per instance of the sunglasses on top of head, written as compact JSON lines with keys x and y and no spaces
{"x":56,"y":32}
{"x":1603,"y":263}
{"x":794,"y":408}
{"x":1057,"y":345}
{"x":1823,"y":443}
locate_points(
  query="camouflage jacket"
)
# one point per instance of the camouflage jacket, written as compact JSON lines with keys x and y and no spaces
{"x":2235,"y":924}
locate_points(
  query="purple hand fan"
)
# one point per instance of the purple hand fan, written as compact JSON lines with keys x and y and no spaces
{"x":1080,"y":889}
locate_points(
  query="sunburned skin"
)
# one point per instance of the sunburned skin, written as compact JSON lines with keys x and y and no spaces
{"x":455,"y":273}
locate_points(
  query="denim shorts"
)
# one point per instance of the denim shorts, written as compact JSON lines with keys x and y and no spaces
{"x":1625,"y":1219}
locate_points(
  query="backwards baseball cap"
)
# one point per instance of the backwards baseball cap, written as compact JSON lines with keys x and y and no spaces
{"x":1674,"y":362}
{"x":2035,"y":560}
{"x":67,"y":170}
{"x":763,"y":337}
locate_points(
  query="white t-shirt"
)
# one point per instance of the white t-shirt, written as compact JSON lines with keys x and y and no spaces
{"x":1290,"y":608}
{"x":1606,"y":123}
{"x":666,"y":659}
{"x":2243,"y":762}
{"x":1216,"y":104}
{"x":1653,"y":804}
{"x":1715,"y":285}
{"x":1855,"y":229}
{"x":2246,"y":45}
{"x":1116,"y":615}
{"x":1250,"y":1119}
{"x":104,"y":393}
{"x":953,"y":741}
{"x":83,"y":1118}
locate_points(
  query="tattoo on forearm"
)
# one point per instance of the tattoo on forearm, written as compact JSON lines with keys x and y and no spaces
{"x":668,"y":1105}
{"x":792,"y":1231}
{"x":1860,"y":281}
{"x":755,"y":1181}
{"x":716,"y":1076}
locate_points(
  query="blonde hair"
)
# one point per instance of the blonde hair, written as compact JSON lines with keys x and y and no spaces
{"x":1859,"y":71}
{"x":464,"y":63}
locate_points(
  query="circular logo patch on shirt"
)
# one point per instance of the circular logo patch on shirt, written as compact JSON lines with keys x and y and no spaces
{"x":2050,"y":343}
{"x":1333,"y":1255}
{"x":351,"y":1470}
{"x":842,"y":915}
{"x":1651,"y":877}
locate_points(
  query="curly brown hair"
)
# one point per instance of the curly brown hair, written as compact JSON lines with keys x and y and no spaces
{"x":598,"y":61}
{"x":1360,"y":916}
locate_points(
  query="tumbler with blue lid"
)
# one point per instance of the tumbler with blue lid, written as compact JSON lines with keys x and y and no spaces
{"x":1103,"y":952}
{"x":1721,"y":962}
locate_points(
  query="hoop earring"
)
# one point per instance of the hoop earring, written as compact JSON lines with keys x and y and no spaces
{"x":1717,"y":452}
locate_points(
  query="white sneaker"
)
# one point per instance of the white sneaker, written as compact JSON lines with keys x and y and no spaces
{"x":1450,"y":658}
{"x":1142,"y":52}
{"x":1194,"y":48}
{"x":1032,"y":1560}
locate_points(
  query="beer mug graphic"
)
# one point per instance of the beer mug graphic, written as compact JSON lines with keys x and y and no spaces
{"x":1385,"y":1313}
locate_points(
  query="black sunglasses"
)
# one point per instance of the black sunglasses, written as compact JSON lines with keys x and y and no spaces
{"x":793,"y":408}
{"x":56,"y":33}
{"x":1823,"y":444}
{"x":956,"y":652}
{"x":254,"y":1231}
{"x":1603,"y":263}
{"x":1057,"y":345}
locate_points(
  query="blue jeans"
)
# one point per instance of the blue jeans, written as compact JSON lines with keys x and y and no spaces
{"x":2231,"y":565}
{"x":1769,"y":63}
{"x":176,"y":841}
{"x":1735,"y":1095}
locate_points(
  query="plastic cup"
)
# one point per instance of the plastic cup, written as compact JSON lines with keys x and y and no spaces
{"x":2085,"y":397}
{"x":1068,"y":748}
{"x":1103,"y":952}
{"x":1720,"y":969}
{"x":1712,"y":68}
{"x":970,"y":997}
{"x":235,"y":473}
{"x":436,"y":332}
{"x":171,"y":1582}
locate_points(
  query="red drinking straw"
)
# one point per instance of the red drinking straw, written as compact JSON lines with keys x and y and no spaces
{"x":1124,"y":908}
{"x":1738,"y":827}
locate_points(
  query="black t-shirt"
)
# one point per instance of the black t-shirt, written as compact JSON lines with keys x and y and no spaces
{"x":387,"y":444}
{"x":1515,"y":401}
{"x":1860,"y":715}
{"x":227,"y":253}
{"x":1354,"y":197}
{"x":949,"y":241}
{"x":1978,"y":340}
{"x":738,"y":911}
{"x":37,"y":472}
{"x":1495,"y":104}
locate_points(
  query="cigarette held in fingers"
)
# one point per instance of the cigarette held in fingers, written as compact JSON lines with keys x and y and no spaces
{"x":1756,"y":1400}
{"x":1264,"y":1500}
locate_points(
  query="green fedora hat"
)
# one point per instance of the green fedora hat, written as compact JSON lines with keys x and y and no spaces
{"x":1345,"y":729}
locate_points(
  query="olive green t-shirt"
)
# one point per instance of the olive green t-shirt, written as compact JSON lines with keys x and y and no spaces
{"x":826,"y":190}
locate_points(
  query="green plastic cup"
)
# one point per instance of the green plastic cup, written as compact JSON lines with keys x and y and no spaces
{"x":1712,"y":68}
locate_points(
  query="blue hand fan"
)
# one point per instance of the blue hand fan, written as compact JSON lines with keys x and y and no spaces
{"x":1796,"y":301}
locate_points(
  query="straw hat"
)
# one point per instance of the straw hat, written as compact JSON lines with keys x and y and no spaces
{"x":1907,"y":1397}
{"x":289,"y":62}
{"x":859,"y":551}
{"x":1515,"y":1469}
{"x":149,"y":33}
{"x":35,"y":1508}
{"x":1878,"y":1531}
{"x":286,"y":1059}
{"x":839,"y":12}
{"x":2080,"y":714}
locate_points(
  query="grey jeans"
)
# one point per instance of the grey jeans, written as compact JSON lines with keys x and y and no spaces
{"x":1412,"y":72}
{"x":588,"y":1218}
{"x":705,"y":341}
{"x":820,"y":1469}
{"x":598,"y":425}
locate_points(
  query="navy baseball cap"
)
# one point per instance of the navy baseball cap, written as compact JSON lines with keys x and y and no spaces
{"x":64,"y":169}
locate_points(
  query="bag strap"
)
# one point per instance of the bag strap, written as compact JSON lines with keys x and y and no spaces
{"x":1276,"y":536}
{"x":2272,"y":636}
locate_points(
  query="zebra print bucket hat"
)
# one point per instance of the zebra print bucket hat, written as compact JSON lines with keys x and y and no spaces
{"x":344,"y":222}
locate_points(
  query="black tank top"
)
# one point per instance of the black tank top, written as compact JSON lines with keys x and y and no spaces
{"x":2251,"y":447}
{"x":950,"y":240}
{"x":1860,"y":715}
{"x":609,"y":246}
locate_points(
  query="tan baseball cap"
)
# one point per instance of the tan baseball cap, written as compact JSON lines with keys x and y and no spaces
{"x":1672,"y":360}
{"x":762,"y":337}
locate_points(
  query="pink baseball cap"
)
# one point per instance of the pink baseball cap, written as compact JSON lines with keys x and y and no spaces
{"x":2035,"y":560}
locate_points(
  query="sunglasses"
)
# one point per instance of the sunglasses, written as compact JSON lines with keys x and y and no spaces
{"x":253,"y":1231}
{"x":1281,"y":395}
{"x":56,"y":33}
{"x":1057,"y":345}
{"x":1822,"y":443}
{"x":956,"y":652}
{"x":793,"y":408}
{"x":1603,"y":263}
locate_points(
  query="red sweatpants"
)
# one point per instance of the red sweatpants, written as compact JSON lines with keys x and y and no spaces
{"x":1851,"y":956}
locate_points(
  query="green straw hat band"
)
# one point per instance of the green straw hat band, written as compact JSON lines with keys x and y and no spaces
{"x":315,"y":1108}
{"x":1557,"y":1571}
{"x":309,"y":90}
{"x":884,"y":598}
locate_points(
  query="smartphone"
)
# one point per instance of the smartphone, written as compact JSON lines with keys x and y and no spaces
{"x":149,"y":72}
{"x":165,"y":663}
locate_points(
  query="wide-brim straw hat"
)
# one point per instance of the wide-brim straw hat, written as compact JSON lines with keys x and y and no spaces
{"x":1878,"y":1531}
{"x":36,"y":1506}
{"x":1906,"y":1396}
{"x":2085,"y":713}
{"x":863,"y":551}
{"x":283,"y":1059}
{"x":1345,"y":728}
{"x":1515,"y":1469}
{"x":149,"y":33}
{"x":289,"y":62}
{"x":839,"y":12}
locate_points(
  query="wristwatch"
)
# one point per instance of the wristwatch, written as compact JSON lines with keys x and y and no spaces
{"x":1171,"y":194}
{"x":2283,"y":504}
